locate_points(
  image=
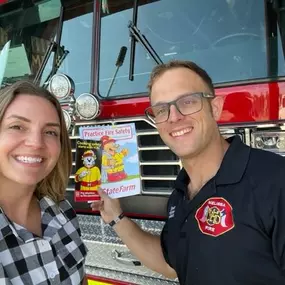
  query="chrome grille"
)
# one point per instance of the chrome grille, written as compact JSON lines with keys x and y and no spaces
{"x":158,"y":165}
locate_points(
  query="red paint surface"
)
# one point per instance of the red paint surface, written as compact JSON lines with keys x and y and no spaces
{"x":3,"y":1}
{"x":246,"y":103}
{"x":108,"y":281}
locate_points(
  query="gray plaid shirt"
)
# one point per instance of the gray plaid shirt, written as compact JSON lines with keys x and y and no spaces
{"x":56,"y":258}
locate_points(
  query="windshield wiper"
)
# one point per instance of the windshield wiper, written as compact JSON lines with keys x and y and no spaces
{"x":60,"y":56}
{"x":135,"y":32}
{"x":119,"y":63}
{"x":137,"y":36}
{"x":51,"y":48}
{"x":58,"y":59}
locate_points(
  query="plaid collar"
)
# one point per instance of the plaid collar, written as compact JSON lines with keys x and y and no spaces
{"x":5,"y":227}
{"x":51,"y":214}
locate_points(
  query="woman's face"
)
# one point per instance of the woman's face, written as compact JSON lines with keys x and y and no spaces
{"x":29,"y":140}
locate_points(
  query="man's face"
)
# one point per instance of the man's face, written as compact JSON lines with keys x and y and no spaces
{"x":189,"y":135}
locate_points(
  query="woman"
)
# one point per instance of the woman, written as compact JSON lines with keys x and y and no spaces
{"x":40,"y":240}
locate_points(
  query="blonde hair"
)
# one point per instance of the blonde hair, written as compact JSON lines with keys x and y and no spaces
{"x":54,"y":185}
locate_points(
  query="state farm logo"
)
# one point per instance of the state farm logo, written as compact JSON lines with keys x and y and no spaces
{"x":215,"y":217}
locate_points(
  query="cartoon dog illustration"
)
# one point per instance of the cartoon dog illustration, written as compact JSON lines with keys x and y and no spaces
{"x":113,"y":160}
{"x":89,"y":175}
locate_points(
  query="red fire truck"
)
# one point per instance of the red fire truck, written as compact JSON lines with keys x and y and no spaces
{"x":96,"y":57}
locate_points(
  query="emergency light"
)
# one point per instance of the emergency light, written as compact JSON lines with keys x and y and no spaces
{"x":67,"y":119}
{"x":87,"y":106}
{"x":62,"y":86}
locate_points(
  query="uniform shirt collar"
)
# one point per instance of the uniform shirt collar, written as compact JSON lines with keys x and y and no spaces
{"x":234,"y":162}
{"x":231,"y":170}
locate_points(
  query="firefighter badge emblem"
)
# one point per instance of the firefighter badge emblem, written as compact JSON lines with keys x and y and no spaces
{"x":215,"y":217}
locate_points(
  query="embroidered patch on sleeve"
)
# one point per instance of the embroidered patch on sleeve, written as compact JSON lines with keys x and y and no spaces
{"x":215,"y":217}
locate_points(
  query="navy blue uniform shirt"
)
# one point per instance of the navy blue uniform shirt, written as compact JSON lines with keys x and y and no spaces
{"x":233,"y":231}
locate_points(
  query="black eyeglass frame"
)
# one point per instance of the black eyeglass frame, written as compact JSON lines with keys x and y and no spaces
{"x":174,"y":102}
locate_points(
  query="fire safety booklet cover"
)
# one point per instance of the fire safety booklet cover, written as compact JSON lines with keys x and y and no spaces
{"x":116,"y":151}
{"x":88,"y":170}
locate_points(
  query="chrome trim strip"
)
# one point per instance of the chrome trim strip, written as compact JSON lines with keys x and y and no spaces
{"x":153,"y":148}
{"x":149,"y":133}
{"x":159,"y":178}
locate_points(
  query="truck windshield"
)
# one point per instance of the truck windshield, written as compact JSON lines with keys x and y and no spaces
{"x":76,"y":39}
{"x":25,"y":35}
{"x":226,"y":37}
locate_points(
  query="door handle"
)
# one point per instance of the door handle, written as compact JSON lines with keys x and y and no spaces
{"x":119,"y":257}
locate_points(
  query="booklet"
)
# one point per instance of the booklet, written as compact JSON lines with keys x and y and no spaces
{"x":107,"y":157}
{"x":88,"y":170}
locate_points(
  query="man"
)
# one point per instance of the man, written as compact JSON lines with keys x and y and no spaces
{"x":226,"y":221}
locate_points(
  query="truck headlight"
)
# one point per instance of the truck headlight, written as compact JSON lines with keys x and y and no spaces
{"x":61,"y":86}
{"x":87,"y":106}
{"x":67,"y":119}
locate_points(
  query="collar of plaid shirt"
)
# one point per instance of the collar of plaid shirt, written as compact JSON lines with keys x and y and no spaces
{"x":58,"y":256}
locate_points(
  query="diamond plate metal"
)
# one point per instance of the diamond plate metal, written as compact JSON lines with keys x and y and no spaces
{"x":127,"y":277}
{"x":101,"y":240}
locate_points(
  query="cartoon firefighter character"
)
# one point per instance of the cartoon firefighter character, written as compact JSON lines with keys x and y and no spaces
{"x":88,"y":175}
{"x":113,"y":160}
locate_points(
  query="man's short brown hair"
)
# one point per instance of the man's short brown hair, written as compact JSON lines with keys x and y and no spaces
{"x":162,"y":68}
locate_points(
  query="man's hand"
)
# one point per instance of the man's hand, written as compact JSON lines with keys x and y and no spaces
{"x":109,"y":208}
{"x":145,"y":246}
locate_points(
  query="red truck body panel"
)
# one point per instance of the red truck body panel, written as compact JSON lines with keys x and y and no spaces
{"x":244,"y":103}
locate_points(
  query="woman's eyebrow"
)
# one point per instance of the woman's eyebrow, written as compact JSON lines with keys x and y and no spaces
{"x":50,"y":124}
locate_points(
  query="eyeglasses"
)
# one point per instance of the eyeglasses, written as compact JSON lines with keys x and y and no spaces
{"x":186,"y":105}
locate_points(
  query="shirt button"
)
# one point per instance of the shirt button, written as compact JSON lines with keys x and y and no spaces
{"x":52,"y":275}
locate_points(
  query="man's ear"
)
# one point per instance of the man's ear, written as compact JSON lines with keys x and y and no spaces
{"x":217,"y":107}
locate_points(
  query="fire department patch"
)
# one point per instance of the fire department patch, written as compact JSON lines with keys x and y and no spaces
{"x":215,"y":217}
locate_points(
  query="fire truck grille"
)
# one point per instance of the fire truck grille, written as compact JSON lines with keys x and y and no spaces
{"x":158,"y":165}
